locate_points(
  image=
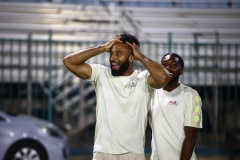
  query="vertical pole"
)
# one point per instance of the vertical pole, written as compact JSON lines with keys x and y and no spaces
{"x":82,"y":118}
{"x":11,"y":99}
{"x":197,"y":59}
{"x":49,"y":75}
{"x":216,"y":85}
{"x":169,"y":42}
{"x":19,"y":72}
{"x":29,"y":76}
{"x":236,"y":100}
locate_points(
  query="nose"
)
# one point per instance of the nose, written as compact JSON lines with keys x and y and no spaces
{"x":113,"y":57}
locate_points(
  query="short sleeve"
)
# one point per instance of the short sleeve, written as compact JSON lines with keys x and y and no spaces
{"x":146,"y":74}
{"x":95,"y":70}
{"x":193,"y":110}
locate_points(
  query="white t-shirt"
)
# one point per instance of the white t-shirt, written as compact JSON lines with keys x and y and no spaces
{"x":121,"y":110}
{"x":170,"y":112}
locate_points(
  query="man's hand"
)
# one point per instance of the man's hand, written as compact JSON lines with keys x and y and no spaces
{"x":107,"y":46}
{"x":136,"y":51}
{"x":76,"y":61}
{"x":158,"y":74}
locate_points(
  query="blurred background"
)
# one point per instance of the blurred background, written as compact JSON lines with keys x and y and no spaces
{"x":35,"y":35}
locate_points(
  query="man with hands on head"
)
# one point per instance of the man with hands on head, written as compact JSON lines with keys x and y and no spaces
{"x":123,"y":95}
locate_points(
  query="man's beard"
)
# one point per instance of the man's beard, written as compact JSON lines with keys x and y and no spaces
{"x":121,"y":70}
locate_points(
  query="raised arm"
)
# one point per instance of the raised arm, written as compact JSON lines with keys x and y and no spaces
{"x":76,"y":61}
{"x":158,"y":74}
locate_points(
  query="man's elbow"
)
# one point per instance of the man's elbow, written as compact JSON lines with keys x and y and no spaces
{"x":166,"y":78}
{"x":163,"y":81}
{"x":66,"y":61}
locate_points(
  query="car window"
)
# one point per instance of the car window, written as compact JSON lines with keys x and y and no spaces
{"x":2,"y":119}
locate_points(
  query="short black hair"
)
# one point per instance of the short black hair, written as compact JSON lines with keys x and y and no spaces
{"x":176,"y":55}
{"x":129,"y":38}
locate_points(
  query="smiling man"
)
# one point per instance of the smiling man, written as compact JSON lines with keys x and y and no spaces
{"x":175,"y":115}
{"x":123,"y":96}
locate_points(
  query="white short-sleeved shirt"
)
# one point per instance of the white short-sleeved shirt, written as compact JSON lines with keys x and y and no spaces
{"x":170,"y":112}
{"x":121,"y":110}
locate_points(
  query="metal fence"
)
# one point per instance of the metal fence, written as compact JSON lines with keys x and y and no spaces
{"x":33,"y":80}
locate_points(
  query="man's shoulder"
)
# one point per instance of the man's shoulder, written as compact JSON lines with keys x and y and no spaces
{"x":142,"y":73}
{"x":93,"y":65}
{"x":100,"y":68}
{"x":99,"y":71}
{"x":189,"y":90}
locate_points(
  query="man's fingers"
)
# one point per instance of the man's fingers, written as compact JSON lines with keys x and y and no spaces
{"x":111,"y":42}
{"x":117,"y":39}
{"x":130,"y":43}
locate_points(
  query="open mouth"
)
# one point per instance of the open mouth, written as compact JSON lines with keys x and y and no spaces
{"x":115,"y":66}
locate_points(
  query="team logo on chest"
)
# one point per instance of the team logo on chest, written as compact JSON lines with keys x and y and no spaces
{"x":131,"y":85}
{"x":173,"y":102}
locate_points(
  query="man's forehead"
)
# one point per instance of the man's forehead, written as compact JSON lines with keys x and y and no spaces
{"x":172,"y":57}
{"x":121,"y":46}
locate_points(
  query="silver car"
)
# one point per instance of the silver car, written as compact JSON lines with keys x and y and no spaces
{"x":27,"y":138}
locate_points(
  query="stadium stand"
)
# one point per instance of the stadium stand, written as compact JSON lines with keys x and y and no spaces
{"x":91,"y":22}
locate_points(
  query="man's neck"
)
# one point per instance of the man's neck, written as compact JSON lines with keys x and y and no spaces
{"x":170,"y":87}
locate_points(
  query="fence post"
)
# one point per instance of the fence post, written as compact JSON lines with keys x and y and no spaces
{"x":29,"y":76}
{"x":49,"y":75}
{"x":216,"y":85}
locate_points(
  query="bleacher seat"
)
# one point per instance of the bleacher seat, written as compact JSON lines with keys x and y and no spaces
{"x":91,"y":22}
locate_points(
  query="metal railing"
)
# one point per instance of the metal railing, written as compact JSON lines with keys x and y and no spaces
{"x":33,"y":80}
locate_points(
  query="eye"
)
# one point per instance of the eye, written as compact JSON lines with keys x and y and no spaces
{"x":171,"y":65}
{"x":174,"y":65}
{"x":164,"y":64}
{"x":119,"y":53}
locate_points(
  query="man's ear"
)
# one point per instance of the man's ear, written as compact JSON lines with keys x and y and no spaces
{"x":131,"y":58}
{"x":181,"y":71}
